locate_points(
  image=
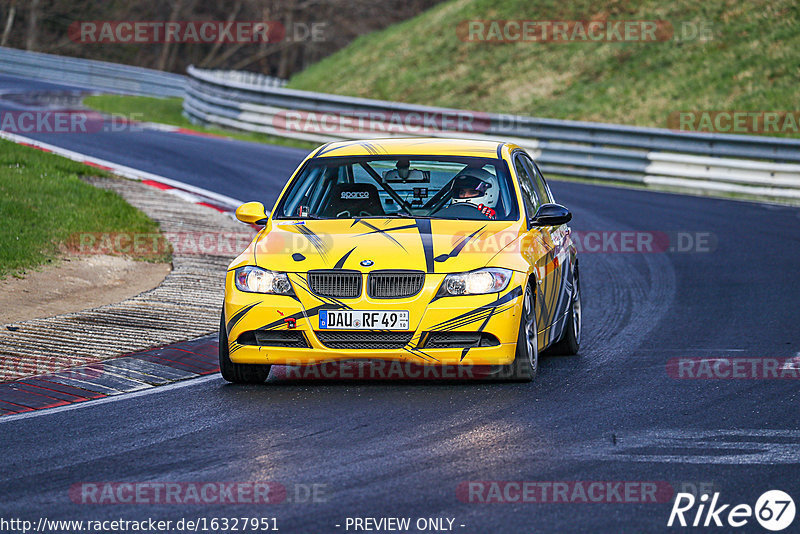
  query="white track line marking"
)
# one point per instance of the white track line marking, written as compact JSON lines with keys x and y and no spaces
{"x":122,"y":170}
{"x":114,"y":398}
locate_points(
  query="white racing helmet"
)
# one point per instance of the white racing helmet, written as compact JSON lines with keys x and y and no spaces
{"x":477,"y":187}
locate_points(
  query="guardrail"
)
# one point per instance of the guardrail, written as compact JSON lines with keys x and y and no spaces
{"x":765,"y":166}
{"x":248,"y":101}
{"x":90,"y":73}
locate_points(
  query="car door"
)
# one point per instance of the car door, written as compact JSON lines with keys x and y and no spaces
{"x":540,"y":246}
{"x":562,"y":268}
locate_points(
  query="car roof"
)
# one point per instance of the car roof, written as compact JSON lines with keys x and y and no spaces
{"x":419,"y":146}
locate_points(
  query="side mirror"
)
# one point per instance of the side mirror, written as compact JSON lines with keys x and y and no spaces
{"x":551,"y":215}
{"x":252,"y":213}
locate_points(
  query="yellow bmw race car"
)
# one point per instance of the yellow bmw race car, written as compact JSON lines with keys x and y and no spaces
{"x":432,"y":251}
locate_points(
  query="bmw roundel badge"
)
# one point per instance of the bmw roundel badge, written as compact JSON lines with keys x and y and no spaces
{"x":367,"y":263}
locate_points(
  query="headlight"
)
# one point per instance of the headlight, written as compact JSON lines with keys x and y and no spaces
{"x":253,"y":279}
{"x":480,"y":282}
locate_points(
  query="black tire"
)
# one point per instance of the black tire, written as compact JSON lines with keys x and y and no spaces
{"x":238,"y":373}
{"x":571,"y":340}
{"x":526,"y":360}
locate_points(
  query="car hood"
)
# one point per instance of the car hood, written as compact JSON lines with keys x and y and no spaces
{"x":440,"y":246}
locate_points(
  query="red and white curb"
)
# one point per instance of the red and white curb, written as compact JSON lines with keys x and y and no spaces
{"x":127,"y":374}
{"x":196,"y":195}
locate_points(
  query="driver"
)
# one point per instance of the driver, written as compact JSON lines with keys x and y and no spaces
{"x":478,"y":188}
{"x":403,"y":168}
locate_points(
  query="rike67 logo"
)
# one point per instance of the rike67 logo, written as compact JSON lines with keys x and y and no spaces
{"x":774,"y":511}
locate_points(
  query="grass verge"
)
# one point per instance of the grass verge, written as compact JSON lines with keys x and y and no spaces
{"x":44,"y":203}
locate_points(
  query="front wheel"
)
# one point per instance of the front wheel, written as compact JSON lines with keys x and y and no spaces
{"x":526,"y":360}
{"x":238,"y":373}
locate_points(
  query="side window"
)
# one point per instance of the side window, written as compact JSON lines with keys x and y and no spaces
{"x":529,"y":196}
{"x":541,"y":185}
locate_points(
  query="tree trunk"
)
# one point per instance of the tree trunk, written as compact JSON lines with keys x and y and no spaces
{"x":283,"y":62}
{"x":215,"y":48}
{"x":173,"y":17}
{"x":12,"y":11}
{"x":33,"y":25}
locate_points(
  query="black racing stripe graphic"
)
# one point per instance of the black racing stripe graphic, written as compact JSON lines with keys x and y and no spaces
{"x":459,"y":246}
{"x":340,"y":263}
{"x":375,"y":229}
{"x":470,"y":315}
{"x":320,"y":150}
{"x":238,"y":316}
{"x":480,"y":329}
{"x":372,"y":149}
{"x":466,"y":320}
{"x":511,"y":295}
{"x":300,"y":315}
{"x":424,"y":228}
{"x":417,"y":340}
{"x":419,"y":354}
{"x":480,"y":312}
{"x":324,"y":149}
{"x":543,"y":305}
{"x":384,"y":230}
{"x":437,"y":296}
{"x":328,"y":303}
{"x":315,"y":240}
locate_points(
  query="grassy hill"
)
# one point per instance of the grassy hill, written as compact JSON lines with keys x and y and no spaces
{"x":751,"y":64}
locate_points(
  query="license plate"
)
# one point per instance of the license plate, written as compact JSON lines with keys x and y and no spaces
{"x":363,"y":320}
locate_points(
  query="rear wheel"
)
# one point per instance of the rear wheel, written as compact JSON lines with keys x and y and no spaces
{"x":238,"y":373}
{"x":526,"y":361}
{"x":571,"y":341}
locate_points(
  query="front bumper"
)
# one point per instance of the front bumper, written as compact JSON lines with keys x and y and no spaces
{"x":494,"y":318}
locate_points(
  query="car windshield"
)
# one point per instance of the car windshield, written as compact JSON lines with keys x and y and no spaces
{"x":392,"y":186}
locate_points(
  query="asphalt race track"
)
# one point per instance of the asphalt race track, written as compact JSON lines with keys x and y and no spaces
{"x":405,"y":449}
